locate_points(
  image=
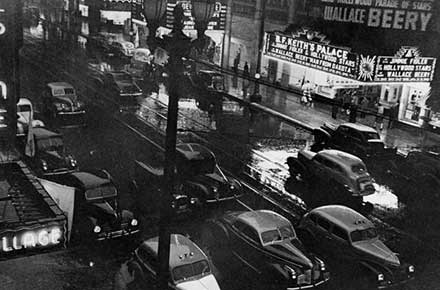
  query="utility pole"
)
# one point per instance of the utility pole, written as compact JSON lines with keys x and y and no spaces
{"x":260,"y":15}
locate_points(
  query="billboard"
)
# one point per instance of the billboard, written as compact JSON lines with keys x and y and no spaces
{"x":412,"y":15}
{"x":322,"y":56}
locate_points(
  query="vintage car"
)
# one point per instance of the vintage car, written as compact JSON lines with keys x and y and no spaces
{"x":189,"y":266}
{"x":209,"y":86}
{"x":357,"y":139}
{"x":25,"y":113}
{"x":350,"y":241}
{"x":61,"y":102}
{"x":97,"y":213}
{"x":50,"y":156}
{"x":265,"y":243}
{"x":122,"y":48}
{"x":201,"y":177}
{"x":120,"y":86}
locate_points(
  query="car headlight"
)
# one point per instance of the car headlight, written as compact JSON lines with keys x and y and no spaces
{"x":214,"y":189}
{"x":73,"y":162}
{"x":97,"y":229}
{"x":321,"y":265}
{"x":60,"y":106}
{"x":173,"y":204}
{"x":134,"y":222}
{"x":44,"y":165}
{"x":232,"y":187}
{"x":290,"y":271}
{"x":411,"y":269}
{"x":380,"y":277}
{"x":194,"y":200}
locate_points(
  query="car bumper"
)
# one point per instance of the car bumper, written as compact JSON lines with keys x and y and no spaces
{"x":108,"y":235}
{"x":59,"y":172}
{"x":72,"y":118}
{"x":220,"y":199}
{"x":313,"y":285}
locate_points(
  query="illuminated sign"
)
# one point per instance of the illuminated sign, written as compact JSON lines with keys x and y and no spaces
{"x":321,"y":56}
{"x":415,"y":15}
{"x":3,"y":90}
{"x":216,"y":22}
{"x":41,"y":237}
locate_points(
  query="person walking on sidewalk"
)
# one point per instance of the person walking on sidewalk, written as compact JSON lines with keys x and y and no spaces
{"x":211,"y":116}
{"x":306,"y":94}
{"x":353,"y":111}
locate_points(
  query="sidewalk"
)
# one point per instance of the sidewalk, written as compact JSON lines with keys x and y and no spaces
{"x":289,"y":104}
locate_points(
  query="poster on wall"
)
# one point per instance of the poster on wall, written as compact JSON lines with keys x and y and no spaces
{"x":325,"y":57}
{"x":412,"y":15}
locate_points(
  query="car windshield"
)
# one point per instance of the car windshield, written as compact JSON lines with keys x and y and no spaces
{"x":121,"y":77}
{"x":101,"y":192}
{"x":371,"y":135}
{"x":189,"y":271}
{"x":363,"y":235}
{"x":279,"y":234}
{"x":358,"y":168}
{"x":24,"y":108}
{"x":50,"y":144}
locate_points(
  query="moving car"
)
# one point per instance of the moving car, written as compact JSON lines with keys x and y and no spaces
{"x":121,"y":87}
{"x":209,"y":86}
{"x":357,"y":139}
{"x":265,"y":243}
{"x":50,"y":156}
{"x":61,"y":102}
{"x":122,"y":48}
{"x":350,"y":240}
{"x":25,"y":113}
{"x":97,"y":213}
{"x":198,"y":176}
{"x":189,"y":266}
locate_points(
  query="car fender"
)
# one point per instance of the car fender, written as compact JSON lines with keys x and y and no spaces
{"x":277,"y":272}
{"x":374,"y":268}
{"x":321,"y":135}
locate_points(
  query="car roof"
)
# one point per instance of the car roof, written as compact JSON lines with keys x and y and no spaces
{"x":263,"y":220}
{"x":182,"y":250}
{"x":59,"y":85}
{"x":194,"y":151}
{"x":41,"y":133}
{"x":24,"y":101}
{"x":344,"y":217}
{"x":359,"y":127}
{"x":89,"y":180}
{"x":340,"y":157}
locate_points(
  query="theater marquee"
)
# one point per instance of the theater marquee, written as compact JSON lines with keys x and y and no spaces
{"x":414,"y":15}
{"x":332,"y":59}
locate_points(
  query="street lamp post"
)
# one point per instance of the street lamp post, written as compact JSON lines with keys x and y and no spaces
{"x":261,"y":15}
{"x":202,"y":11}
{"x":178,"y":46}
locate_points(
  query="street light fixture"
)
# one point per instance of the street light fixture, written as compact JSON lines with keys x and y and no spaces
{"x":202,"y":11}
{"x":178,"y":46}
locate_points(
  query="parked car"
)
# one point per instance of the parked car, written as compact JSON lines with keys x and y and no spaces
{"x":50,"y":156}
{"x":97,"y":212}
{"x":357,"y":139}
{"x":25,"y":113}
{"x":209,"y":86}
{"x":122,"y":48}
{"x":120,"y":86}
{"x":350,"y":240}
{"x":61,"y":102}
{"x":265,"y":243}
{"x":189,"y":266}
{"x":147,"y":187}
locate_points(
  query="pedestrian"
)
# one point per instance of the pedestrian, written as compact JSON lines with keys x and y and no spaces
{"x":246,"y":69}
{"x":211,"y":116}
{"x":378,"y":122}
{"x":337,"y":103}
{"x":363,"y":105}
{"x":353,"y":111}
{"x":306,"y":93}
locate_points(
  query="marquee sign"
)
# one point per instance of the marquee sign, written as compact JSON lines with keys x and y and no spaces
{"x":217,"y":21}
{"x":322,"y":56}
{"x":36,"y":237}
{"x":406,"y":66}
{"x":414,"y":15}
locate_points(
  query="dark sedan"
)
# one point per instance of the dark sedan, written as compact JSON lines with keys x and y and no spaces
{"x":266,"y":244}
{"x":121,"y":88}
{"x":97,"y":213}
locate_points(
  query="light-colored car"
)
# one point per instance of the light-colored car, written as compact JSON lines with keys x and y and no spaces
{"x":350,"y":240}
{"x":25,"y":113}
{"x":190,"y":269}
{"x":122,"y":48}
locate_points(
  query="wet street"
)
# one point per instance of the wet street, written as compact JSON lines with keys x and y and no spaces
{"x":250,"y":145}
